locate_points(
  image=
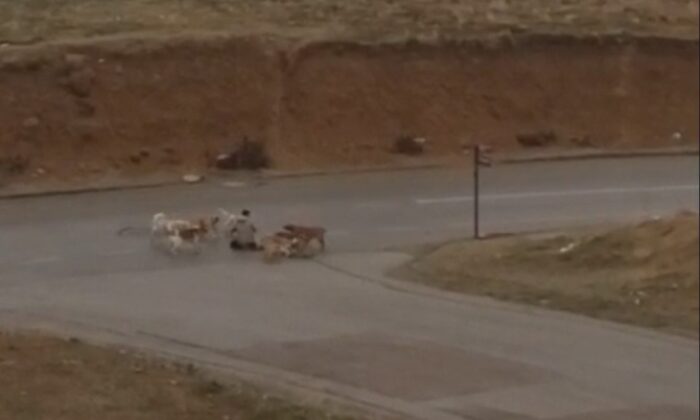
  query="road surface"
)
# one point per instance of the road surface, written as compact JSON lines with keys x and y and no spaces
{"x":338,"y":325}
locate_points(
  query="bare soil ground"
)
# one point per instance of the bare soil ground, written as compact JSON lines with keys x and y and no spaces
{"x":92,"y":89}
{"x":48,"y":378}
{"x":645,"y":274}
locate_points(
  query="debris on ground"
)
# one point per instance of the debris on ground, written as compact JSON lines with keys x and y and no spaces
{"x":233,"y":184}
{"x":567,"y":248}
{"x":227,"y":161}
{"x":537,"y":139}
{"x":192,"y":178}
{"x":13,"y":165}
{"x":409,"y":145}
{"x":249,"y":155}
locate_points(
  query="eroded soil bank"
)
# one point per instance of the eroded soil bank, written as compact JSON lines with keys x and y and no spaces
{"x":133,"y":106}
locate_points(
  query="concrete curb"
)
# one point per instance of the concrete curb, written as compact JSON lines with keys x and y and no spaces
{"x":216,"y":177}
{"x":599,"y":154}
{"x":391,"y":279}
{"x":90,"y":189}
{"x":594,"y":154}
{"x":356,"y":170}
{"x":271,"y":174}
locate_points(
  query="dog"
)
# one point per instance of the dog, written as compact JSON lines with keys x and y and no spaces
{"x":179,"y":235}
{"x":306,"y":247}
{"x":306,"y":233}
{"x":187,"y":239}
{"x":162,"y":225}
{"x":206,"y":227}
{"x":276,"y":247}
{"x":228,"y":220}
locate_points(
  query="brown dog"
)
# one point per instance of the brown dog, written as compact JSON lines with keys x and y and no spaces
{"x":207,"y":227}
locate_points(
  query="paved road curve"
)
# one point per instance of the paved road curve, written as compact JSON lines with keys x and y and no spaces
{"x":338,"y":325}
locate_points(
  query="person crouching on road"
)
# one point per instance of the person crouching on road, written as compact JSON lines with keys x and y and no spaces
{"x":243,"y":233}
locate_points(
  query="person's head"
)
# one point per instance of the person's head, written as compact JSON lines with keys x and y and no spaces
{"x":246,"y":213}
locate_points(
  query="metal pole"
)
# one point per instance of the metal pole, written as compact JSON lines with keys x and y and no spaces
{"x":477,"y":159}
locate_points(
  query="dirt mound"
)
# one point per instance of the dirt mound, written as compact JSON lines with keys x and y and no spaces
{"x":661,"y":245}
{"x":135,"y":106}
{"x":646,"y":274}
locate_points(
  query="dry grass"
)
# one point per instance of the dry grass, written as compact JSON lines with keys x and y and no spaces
{"x":645,"y":274}
{"x":46,"y":378}
{"x":34,"y":20}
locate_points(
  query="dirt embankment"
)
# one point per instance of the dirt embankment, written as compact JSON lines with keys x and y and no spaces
{"x":645,"y":274}
{"x":136,"y":106}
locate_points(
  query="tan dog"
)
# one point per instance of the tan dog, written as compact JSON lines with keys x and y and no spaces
{"x":306,"y":234}
{"x":306,"y":247}
{"x":276,"y":247}
{"x":207,"y":227}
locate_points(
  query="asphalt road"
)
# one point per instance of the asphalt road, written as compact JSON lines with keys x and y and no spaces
{"x":338,"y":325}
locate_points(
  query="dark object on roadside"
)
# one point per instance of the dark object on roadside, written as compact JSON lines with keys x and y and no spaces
{"x":211,"y":388}
{"x":409,"y":145}
{"x":78,"y":82}
{"x":13,"y":165}
{"x":537,"y":139}
{"x":250,"y":155}
{"x":135,"y":158}
{"x":226,"y":161}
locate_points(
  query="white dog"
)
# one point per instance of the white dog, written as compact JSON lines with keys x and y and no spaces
{"x":181,"y":235}
{"x":184,"y":240}
{"x":228,"y":220}
{"x":162,"y":225}
{"x":207,"y":226}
